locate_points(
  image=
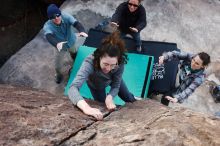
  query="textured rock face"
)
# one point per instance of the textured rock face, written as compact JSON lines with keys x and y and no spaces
{"x":30,"y":117}
{"x":147,"y":123}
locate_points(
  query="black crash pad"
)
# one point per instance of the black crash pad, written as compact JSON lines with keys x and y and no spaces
{"x":163,"y":77}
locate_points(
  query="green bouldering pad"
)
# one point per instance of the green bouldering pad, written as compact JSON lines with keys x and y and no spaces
{"x":137,"y":74}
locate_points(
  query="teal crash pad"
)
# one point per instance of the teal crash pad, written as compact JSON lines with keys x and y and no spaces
{"x":137,"y":74}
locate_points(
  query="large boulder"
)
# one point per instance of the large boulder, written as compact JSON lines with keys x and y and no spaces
{"x":147,"y":123}
{"x":30,"y":117}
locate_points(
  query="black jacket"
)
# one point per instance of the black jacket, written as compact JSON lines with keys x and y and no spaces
{"x":125,"y":19}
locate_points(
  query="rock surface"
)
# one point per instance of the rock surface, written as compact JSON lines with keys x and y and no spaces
{"x":147,"y":123}
{"x":193,"y":25}
{"x":30,"y":117}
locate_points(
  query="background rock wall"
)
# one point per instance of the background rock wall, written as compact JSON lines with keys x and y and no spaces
{"x":193,"y":25}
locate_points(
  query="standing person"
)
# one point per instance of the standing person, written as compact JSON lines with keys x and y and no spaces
{"x":59,"y":33}
{"x":130,"y":18}
{"x":101,"y":69}
{"x":191,"y":74}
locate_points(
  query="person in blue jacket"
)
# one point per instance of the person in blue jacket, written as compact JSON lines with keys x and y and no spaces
{"x":59,"y":33}
{"x":130,"y":18}
{"x":191,"y":74}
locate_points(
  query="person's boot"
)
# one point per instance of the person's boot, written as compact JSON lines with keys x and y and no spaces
{"x":58,"y":78}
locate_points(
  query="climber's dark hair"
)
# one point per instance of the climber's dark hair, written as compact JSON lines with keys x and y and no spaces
{"x":113,"y":46}
{"x":205,"y":58}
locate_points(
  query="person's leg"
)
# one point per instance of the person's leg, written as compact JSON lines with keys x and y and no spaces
{"x":58,"y":66}
{"x":125,"y":94}
{"x":136,"y":36}
{"x":98,"y":94}
{"x":73,"y":51}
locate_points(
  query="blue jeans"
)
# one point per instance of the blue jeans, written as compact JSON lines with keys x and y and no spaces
{"x":124,"y":94}
{"x":136,"y":36}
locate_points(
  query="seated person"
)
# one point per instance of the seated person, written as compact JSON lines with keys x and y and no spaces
{"x":101,"y":69}
{"x":130,"y":18}
{"x":191,"y":74}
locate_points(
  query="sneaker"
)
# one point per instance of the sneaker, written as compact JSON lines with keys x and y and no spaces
{"x":58,"y":78}
{"x":139,"y":49}
{"x":138,"y":98}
